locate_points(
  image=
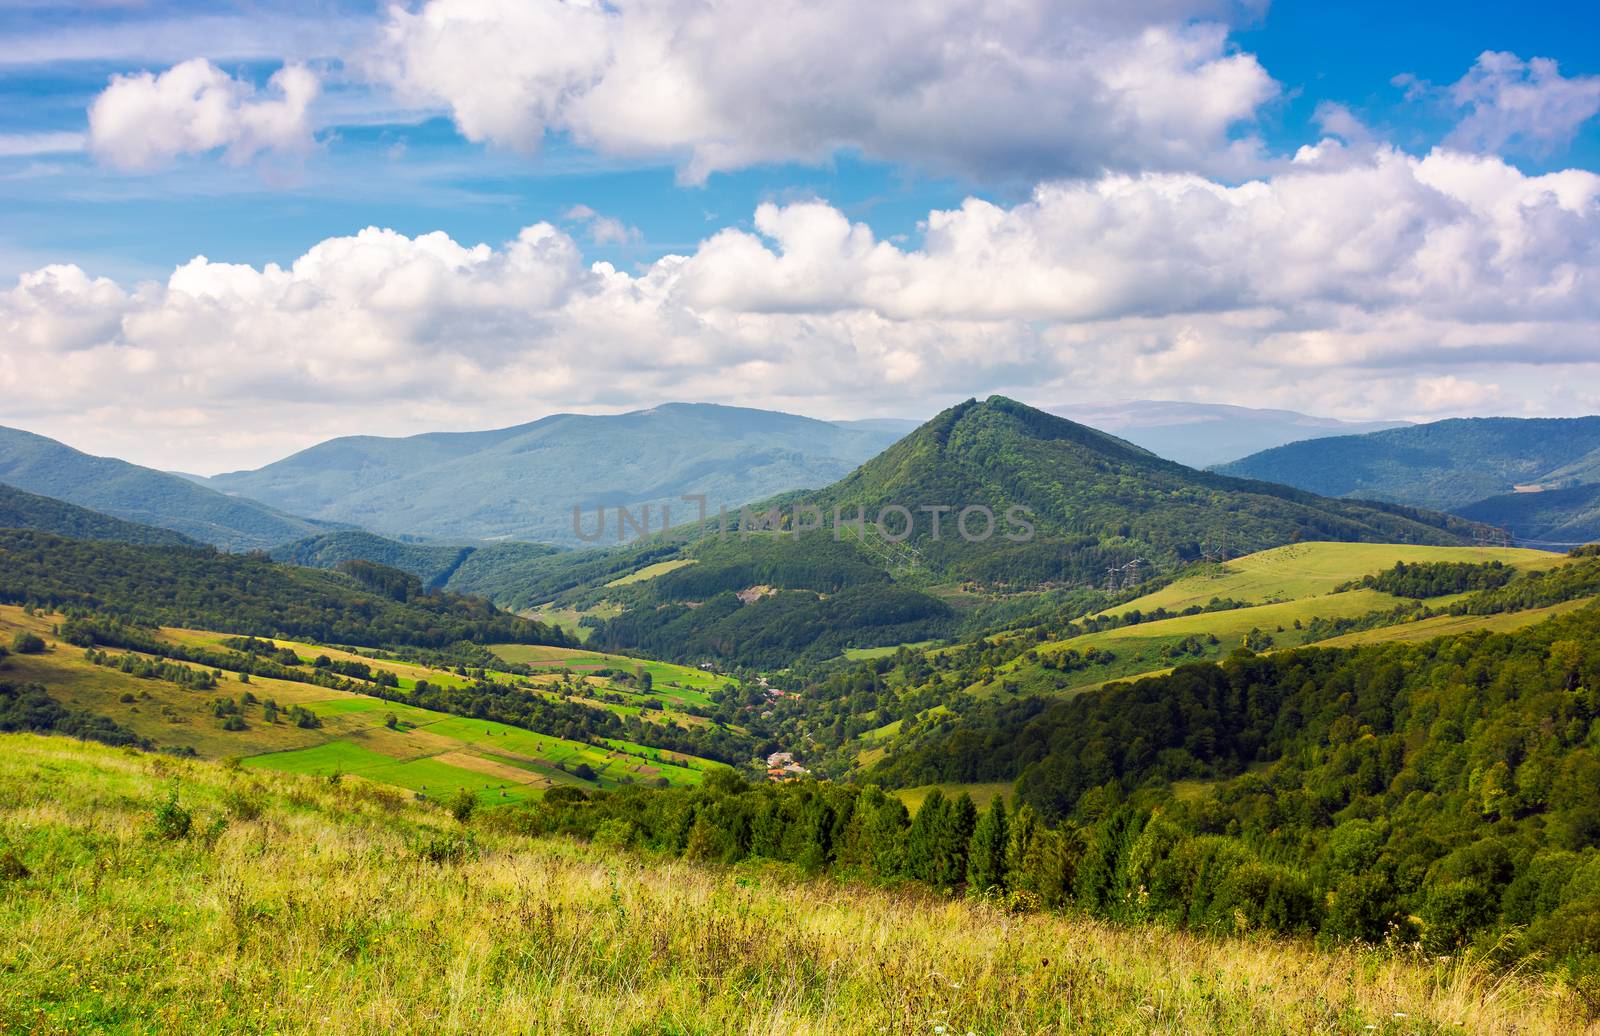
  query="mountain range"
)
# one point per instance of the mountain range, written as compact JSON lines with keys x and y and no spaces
{"x":1071,"y":505}
{"x":1203,"y":434}
{"x":137,"y":494}
{"x":21,"y":510}
{"x":1538,"y":476}
{"x":522,"y":482}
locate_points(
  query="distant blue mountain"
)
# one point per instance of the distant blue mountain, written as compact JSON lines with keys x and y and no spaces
{"x":114,"y":487}
{"x":1203,"y":434}
{"x":522,"y":482}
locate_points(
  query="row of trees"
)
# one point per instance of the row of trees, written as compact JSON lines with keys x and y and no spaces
{"x":1438,"y":578}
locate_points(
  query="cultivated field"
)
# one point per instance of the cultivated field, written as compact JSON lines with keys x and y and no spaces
{"x":688,"y":685}
{"x":427,"y":753}
{"x":660,"y":568}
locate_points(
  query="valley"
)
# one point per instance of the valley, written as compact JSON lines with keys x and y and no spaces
{"x":679,"y":518}
{"x":1185,"y":701}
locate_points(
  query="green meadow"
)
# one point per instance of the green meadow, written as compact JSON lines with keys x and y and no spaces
{"x":1303,"y":570}
{"x":143,"y":894}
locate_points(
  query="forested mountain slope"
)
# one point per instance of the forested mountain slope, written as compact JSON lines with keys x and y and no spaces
{"x":249,"y":594}
{"x":1445,"y":465}
{"x":1094,"y":498}
{"x":21,"y":510}
{"x":43,"y":466}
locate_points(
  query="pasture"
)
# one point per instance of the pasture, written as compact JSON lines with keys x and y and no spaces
{"x":1302,"y":570}
{"x":648,"y":572}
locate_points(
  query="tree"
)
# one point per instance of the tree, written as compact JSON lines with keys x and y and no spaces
{"x":25,"y":643}
{"x":1023,"y":826}
{"x":883,"y":837}
{"x":923,"y":839}
{"x":952,"y":834}
{"x":986,"y":858}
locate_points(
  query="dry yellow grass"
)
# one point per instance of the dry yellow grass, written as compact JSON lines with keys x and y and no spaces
{"x":312,"y":911}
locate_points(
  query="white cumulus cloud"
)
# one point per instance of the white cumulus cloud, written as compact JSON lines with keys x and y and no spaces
{"x":1505,"y":104}
{"x":145,"y":120}
{"x":1354,"y":284}
{"x":1020,"y":88}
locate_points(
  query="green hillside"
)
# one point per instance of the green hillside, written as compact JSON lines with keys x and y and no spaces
{"x":1096,"y":500}
{"x":20,"y":510}
{"x":523,"y":482}
{"x":249,"y":594}
{"x":145,"y":894}
{"x":308,"y":708}
{"x":767,"y":597}
{"x":1305,"y":569}
{"x":431,"y":563}
{"x":1556,"y":516}
{"x":1445,"y":465}
{"x":1444,"y":787}
{"x":115,"y":487}
{"x":856,"y":710}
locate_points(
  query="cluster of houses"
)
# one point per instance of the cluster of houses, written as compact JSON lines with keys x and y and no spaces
{"x":782,"y":767}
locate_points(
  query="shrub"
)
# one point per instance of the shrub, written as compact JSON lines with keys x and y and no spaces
{"x":25,"y":643}
{"x":445,"y":847}
{"x":171,"y":822}
{"x":243,"y":804}
{"x":462,"y":805}
{"x":11,"y":866}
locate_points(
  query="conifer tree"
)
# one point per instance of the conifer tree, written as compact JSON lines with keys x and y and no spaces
{"x":952,"y":835}
{"x":923,"y":838}
{"x":986,"y":857}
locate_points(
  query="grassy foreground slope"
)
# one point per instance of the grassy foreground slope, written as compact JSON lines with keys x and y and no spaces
{"x":296,"y":905}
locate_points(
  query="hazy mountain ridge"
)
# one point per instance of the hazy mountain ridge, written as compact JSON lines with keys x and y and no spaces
{"x":1484,"y":468}
{"x":1203,"y":434}
{"x":522,"y":482}
{"x":23,"y":510}
{"x":45,"y":467}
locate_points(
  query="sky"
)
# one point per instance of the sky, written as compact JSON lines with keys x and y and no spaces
{"x":234,"y":229}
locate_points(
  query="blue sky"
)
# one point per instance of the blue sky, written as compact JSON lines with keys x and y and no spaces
{"x":65,"y":207}
{"x":647,"y":146}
